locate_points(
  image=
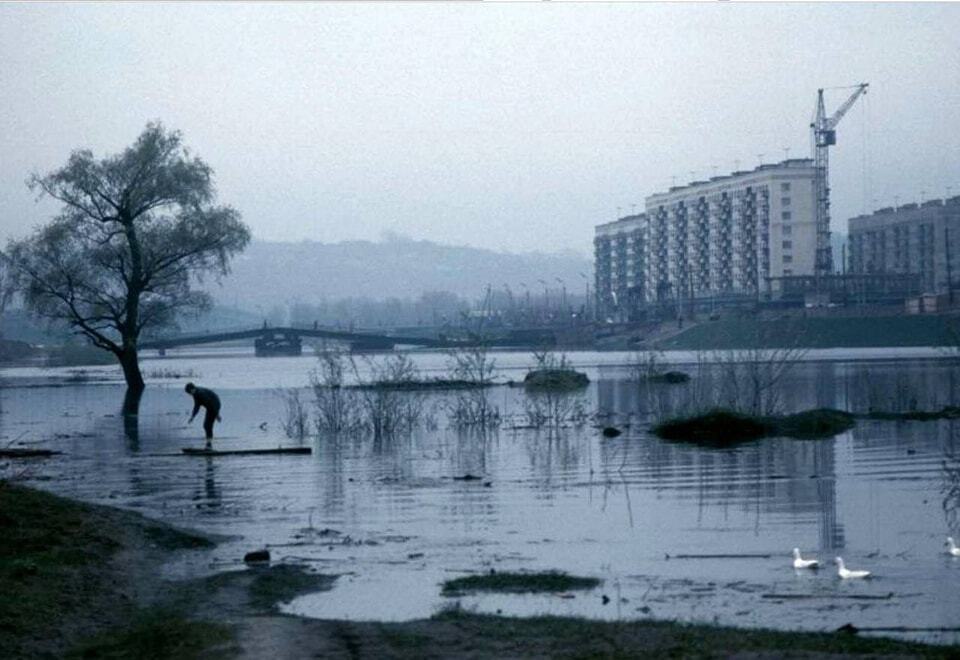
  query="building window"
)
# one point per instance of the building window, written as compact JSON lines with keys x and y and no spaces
{"x":787,"y":245}
{"x":785,"y":201}
{"x":787,"y":230}
{"x":785,"y":215}
{"x":787,"y":272}
{"x":787,"y":259}
{"x":784,"y":187}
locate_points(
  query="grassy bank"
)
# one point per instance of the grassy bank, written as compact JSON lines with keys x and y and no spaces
{"x":817,"y":332}
{"x":83,"y":581}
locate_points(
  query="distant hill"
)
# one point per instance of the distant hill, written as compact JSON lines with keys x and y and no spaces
{"x":268,"y":274}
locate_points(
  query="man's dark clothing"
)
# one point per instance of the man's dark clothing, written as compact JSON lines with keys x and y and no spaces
{"x":211,"y":403}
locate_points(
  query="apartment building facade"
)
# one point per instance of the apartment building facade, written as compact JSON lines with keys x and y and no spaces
{"x":911,"y":239}
{"x":619,"y":266}
{"x":721,"y":240}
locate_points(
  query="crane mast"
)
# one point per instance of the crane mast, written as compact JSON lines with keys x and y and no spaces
{"x":824,"y":135}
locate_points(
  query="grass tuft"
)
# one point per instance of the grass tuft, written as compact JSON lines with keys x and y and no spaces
{"x":519,"y":583}
{"x":159,"y":635}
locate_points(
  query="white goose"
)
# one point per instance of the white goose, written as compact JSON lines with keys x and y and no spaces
{"x":800,"y":562}
{"x":847,"y":574}
{"x":953,"y":550}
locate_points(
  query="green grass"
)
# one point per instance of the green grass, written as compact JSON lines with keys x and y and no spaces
{"x":669,"y":377}
{"x":816,"y":332}
{"x":721,"y":427}
{"x":421,"y":385}
{"x":549,"y":581}
{"x":55,"y":566}
{"x":277,"y":584}
{"x":548,"y":636}
{"x":947,"y":412}
{"x":159,"y":635}
{"x":555,"y":379}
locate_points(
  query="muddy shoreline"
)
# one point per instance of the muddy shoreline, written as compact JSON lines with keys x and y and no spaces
{"x":96,"y":572}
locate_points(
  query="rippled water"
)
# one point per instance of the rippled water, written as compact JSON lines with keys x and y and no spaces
{"x":389,"y":517}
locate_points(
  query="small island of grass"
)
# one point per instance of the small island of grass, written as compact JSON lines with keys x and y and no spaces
{"x":549,"y":581}
{"x":669,"y":377}
{"x":721,"y":427}
{"x":555,"y":379}
{"x":947,"y":412}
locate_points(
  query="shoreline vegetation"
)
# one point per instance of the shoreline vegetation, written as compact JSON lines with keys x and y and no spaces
{"x":95,"y":572}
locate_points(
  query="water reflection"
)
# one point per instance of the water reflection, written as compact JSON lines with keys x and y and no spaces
{"x":560,"y":497}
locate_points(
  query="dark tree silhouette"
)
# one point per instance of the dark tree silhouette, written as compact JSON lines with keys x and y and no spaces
{"x":135,"y":230}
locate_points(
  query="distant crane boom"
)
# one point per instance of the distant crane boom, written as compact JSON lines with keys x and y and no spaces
{"x":824,"y":135}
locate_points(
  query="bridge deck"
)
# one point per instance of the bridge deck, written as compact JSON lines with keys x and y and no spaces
{"x":217,"y":337}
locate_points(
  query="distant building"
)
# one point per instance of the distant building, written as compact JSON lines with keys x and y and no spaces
{"x":620,"y":266}
{"x":728,"y":239}
{"x":916,"y":240}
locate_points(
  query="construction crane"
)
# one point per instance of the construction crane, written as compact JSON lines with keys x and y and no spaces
{"x":824,"y":135}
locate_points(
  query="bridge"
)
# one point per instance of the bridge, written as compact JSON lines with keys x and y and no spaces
{"x":288,"y":340}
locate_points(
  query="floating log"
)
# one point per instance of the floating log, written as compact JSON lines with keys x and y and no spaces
{"x":16,"y":452}
{"x":191,"y":451}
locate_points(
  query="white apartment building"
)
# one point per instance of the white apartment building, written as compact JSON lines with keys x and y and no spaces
{"x":725,"y":239}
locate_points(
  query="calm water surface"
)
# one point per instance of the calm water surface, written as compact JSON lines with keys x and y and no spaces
{"x":389,"y":517}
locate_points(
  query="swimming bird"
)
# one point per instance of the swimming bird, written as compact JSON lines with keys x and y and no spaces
{"x":800,"y":562}
{"x":847,"y":574}
{"x":954,"y":550}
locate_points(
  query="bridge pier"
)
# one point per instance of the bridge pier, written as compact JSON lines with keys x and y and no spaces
{"x":273,"y":344}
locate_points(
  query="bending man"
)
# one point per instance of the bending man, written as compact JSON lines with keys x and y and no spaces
{"x":209,"y":400}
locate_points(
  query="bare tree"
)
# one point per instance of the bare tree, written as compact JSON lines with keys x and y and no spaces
{"x":471,"y":407}
{"x":134,"y":229}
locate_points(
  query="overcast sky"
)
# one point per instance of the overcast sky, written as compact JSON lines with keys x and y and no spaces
{"x":508,"y":126}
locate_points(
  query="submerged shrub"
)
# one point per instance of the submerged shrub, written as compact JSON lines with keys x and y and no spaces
{"x":725,"y":427}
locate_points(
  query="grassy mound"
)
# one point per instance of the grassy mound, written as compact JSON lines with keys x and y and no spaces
{"x":555,"y":379}
{"x":669,"y":377}
{"x":818,"y":423}
{"x":720,"y":427}
{"x":60,"y":561}
{"x":947,"y":412}
{"x":519,"y":583}
{"x":717,"y":426}
{"x":421,"y":385}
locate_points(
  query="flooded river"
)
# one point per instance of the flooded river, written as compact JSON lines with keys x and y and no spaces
{"x":392,"y":520}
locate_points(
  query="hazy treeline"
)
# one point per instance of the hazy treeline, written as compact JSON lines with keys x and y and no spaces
{"x":430,"y":308}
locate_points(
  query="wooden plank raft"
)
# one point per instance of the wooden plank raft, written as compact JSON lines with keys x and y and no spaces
{"x":16,"y":452}
{"x":191,"y":451}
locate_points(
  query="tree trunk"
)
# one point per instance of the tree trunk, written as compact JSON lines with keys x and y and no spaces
{"x":131,"y":372}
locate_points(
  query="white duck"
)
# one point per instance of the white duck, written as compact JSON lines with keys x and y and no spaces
{"x":800,"y":562}
{"x":953,"y":550}
{"x":847,"y":574}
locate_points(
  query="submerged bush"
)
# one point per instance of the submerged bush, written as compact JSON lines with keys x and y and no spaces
{"x":818,"y":423}
{"x":555,"y":379}
{"x":726,"y":427}
{"x":717,"y":426}
{"x":669,"y":377}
